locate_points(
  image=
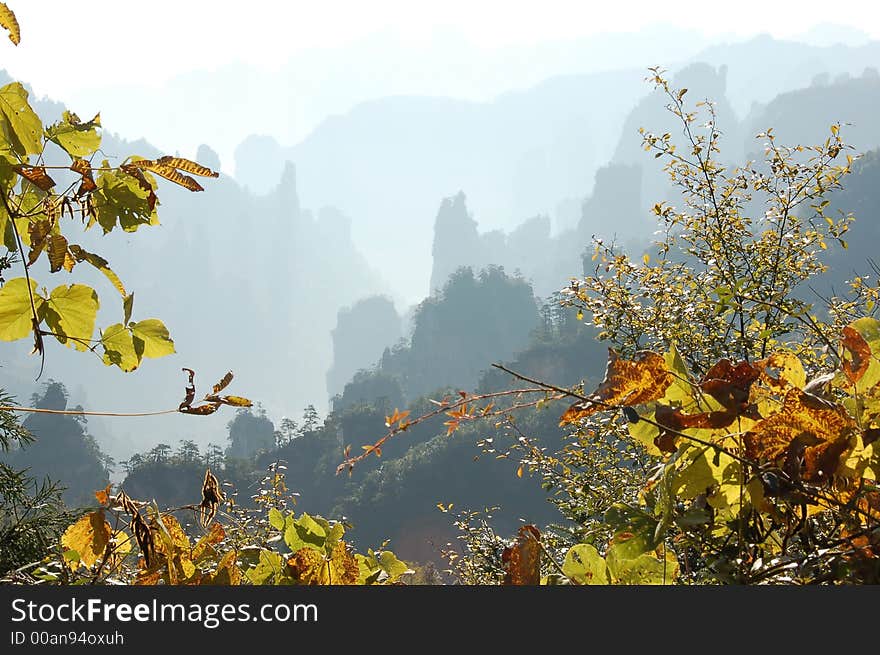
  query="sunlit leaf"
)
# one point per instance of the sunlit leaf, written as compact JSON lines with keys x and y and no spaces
{"x":89,"y":537}
{"x":805,"y":427}
{"x":76,"y":138}
{"x":16,"y":314}
{"x":120,"y":200}
{"x":120,"y":348}
{"x":84,"y":168}
{"x":36,"y":175}
{"x":187,"y":165}
{"x":57,"y":252}
{"x":71,"y":312}
{"x":223,"y":383}
{"x":627,"y":382}
{"x":154,"y":334}
{"x":585,"y":566}
{"x":19,"y":124}
{"x":9,"y":23}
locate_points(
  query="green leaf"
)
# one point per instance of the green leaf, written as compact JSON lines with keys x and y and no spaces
{"x":71,"y":312}
{"x":20,"y":126}
{"x":304,"y":532}
{"x":119,"y":200}
{"x":76,"y":138}
{"x":16,"y":315}
{"x":389,"y":563}
{"x":679,"y":391}
{"x":120,"y":348}
{"x":270,"y":565}
{"x":154,"y":334}
{"x":585,"y":565}
{"x":640,"y":570}
{"x":127,"y":305}
{"x":276,"y":519}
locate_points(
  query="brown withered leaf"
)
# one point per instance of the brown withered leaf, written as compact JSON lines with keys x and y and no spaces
{"x":627,"y":382}
{"x":675,"y":419}
{"x":522,"y":560}
{"x":84,"y":168}
{"x":808,"y":435}
{"x":729,"y":384}
{"x":859,"y":354}
{"x":187,"y":165}
{"x":144,"y":537}
{"x":169,"y":173}
{"x":10,"y":23}
{"x":69,"y":263}
{"x":57,"y":251}
{"x":212,"y":496}
{"x":38,"y":231}
{"x":224,"y":382}
{"x":36,"y":175}
{"x":666,"y":442}
{"x":190,"y":389}
{"x":201,"y":410}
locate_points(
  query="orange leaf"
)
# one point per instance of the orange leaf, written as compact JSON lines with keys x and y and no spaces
{"x":103,"y":495}
{"x":859,"y":351}
{"x":627,"y":382}
{"x":522,"y":560}
{"x":805,"y":428}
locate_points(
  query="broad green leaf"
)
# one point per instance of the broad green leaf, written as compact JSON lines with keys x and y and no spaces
{"x":304,"y":532}
{"x":368,"y":568}
{"x":276,"y":519}
{"x":634,"y":529}
{"x":680,"y":390}
{"x":395,"y":568}
{"x":120,"y":348}
{"x":269,"y":567}
{"x":154,"y":334}
{"x":76,"y":138}
{"x":19,"y":124}
{"x":645,"y":433}
{"x":16,"y":314}
{"x":119,"y":200}
{"x":641,"y":570}
{"x":584,"y":565}
{"x":70,"y":314}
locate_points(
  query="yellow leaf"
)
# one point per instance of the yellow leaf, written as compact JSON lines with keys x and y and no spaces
{"x":9,"y":23}
{"x":88,"y":537}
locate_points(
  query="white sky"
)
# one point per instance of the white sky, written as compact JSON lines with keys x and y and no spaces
{"x":184,"y":72}
{"x":73,"y":44}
